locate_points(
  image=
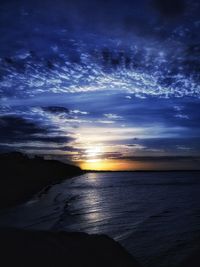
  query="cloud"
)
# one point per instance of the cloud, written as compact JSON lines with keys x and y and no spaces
{"x":76,"y":111}
{"x":170,"y":8}
{"x":156,"y":159}
{"x":172,"y":145}
{"x":15,"y":129}
{"x":182,"y":116}
{"x":112,"y":116}
{"x":56,"y":109}
{"x":48,"y":147}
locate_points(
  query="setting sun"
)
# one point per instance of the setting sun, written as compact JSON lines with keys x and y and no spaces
{"x":93,"y":152}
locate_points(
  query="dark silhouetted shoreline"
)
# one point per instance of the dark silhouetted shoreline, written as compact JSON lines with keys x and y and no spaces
{"x":22,"y":177}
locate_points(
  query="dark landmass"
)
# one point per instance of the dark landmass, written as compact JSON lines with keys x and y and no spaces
{"x":22,"y":177}
{"x":192,"y":261}
{"x":56,"y":249}
{"x":67,"y":249}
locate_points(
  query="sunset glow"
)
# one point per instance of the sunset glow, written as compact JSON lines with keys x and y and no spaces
{"x":110,"y":165}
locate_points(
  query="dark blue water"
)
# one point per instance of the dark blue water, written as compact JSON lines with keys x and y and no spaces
{"x":156,"y":216}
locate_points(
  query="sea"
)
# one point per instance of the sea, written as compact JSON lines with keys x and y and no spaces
{"x":154,"y":215}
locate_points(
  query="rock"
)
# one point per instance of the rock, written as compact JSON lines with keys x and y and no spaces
{"x":192,"y":261}
{"x":55,"y":249}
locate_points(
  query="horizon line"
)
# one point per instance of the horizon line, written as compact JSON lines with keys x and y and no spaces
{"x":192,"y":170}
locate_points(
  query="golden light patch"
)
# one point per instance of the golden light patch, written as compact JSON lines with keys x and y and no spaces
{"x":108,"y":165}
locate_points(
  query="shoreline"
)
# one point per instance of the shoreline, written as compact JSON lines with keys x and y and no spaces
{"x":23,"y":177}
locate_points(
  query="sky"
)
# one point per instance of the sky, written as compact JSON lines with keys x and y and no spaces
{"x":105,"y":85}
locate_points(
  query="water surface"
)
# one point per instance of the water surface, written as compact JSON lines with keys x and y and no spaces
{"x":155,"y":215}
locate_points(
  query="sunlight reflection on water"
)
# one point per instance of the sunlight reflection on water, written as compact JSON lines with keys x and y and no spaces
{"x":151,"y":214}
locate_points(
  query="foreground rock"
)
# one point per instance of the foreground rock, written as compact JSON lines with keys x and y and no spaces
{"x":55,"y":249}
{"x":192,"y":261}
{"x":21,"y":177}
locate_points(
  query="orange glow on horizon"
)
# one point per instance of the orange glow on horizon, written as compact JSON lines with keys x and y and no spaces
{"x":109,"y":165}
{"x":94,"y":161}
{"x":128,"y":165}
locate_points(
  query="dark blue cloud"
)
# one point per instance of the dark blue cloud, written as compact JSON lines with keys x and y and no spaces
{"x":56,"y":109}
{"x":17,"y":129}
{"x":170,"y":7}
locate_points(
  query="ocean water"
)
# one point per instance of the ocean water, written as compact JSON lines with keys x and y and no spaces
{"x":155,"y":215}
